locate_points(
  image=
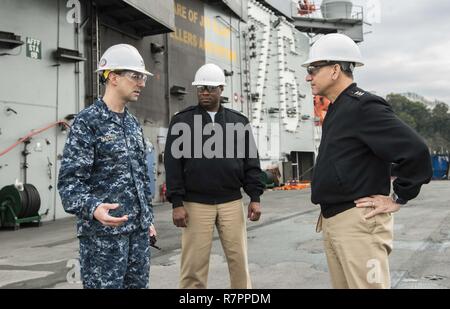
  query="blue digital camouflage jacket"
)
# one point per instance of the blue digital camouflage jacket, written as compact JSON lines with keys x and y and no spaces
{"x":104,"y":161}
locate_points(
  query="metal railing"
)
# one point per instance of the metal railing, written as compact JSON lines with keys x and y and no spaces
{"x":311,"y":9}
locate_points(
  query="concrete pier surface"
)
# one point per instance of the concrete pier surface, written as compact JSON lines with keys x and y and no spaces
{"x":284,"y":249}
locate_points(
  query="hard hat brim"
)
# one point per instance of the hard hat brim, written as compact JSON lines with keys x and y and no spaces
{"x":309,"y":61}
{"x":125,"y":69}
{"x":214,"y":84}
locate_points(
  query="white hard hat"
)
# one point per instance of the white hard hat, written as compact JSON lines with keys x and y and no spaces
{"x":209,"y":75}
{"x":122,"y":57}
{"x":335,"y":47}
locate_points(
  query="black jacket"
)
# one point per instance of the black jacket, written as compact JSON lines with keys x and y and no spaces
{"x":210,"y":180}
{"x":361,"y":138}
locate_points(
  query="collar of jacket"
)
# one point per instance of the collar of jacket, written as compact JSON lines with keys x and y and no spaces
{"x":346,"y":90}
{"x":107,"y":114}
{"x":220,"y":116}
{"x":204,"y":111}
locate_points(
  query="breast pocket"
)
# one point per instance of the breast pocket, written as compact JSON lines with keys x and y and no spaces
{"x":111,"y":148}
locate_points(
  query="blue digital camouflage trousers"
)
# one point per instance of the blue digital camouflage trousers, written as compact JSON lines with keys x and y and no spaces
{"x":115,"y":261}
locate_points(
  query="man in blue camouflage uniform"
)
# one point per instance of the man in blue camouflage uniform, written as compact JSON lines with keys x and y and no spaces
{"x":104,"y":181}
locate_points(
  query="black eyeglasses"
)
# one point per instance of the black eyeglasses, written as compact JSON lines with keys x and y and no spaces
{"x":207,"y":88}
{"x":313,"y":69}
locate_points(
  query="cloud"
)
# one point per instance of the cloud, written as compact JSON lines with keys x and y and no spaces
{"x":409,"y":50}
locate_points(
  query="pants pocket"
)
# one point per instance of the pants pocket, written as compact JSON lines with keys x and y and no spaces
{"x":369,"y":223}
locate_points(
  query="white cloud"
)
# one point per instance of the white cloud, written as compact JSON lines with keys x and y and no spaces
{"x":409,"y":51}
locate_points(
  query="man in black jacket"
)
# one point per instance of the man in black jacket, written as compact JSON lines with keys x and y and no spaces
{"x":210,"y":155}
{"x":361,"y":138}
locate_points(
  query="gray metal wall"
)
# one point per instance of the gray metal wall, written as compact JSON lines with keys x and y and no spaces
{"x":285,"y":7}
{"x":41,"y":91}
{"x":186,"y":54}
{"x":226,"y":48}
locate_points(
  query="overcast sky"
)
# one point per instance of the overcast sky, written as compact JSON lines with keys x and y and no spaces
{"x":409,"y":51}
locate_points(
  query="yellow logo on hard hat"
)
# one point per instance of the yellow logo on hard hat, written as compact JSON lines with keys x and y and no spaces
{"x":106,"y":74}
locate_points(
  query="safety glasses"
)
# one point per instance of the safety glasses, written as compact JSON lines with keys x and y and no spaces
{"x":314,"y":69}
{"x":134,"y":76}
{"x":210,"y":89}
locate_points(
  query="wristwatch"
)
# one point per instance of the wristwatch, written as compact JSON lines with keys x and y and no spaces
{"x":398,"y":199}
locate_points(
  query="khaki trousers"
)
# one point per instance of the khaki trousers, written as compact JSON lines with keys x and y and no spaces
{"x":357,"y":249}
{"x":197,"y":238}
